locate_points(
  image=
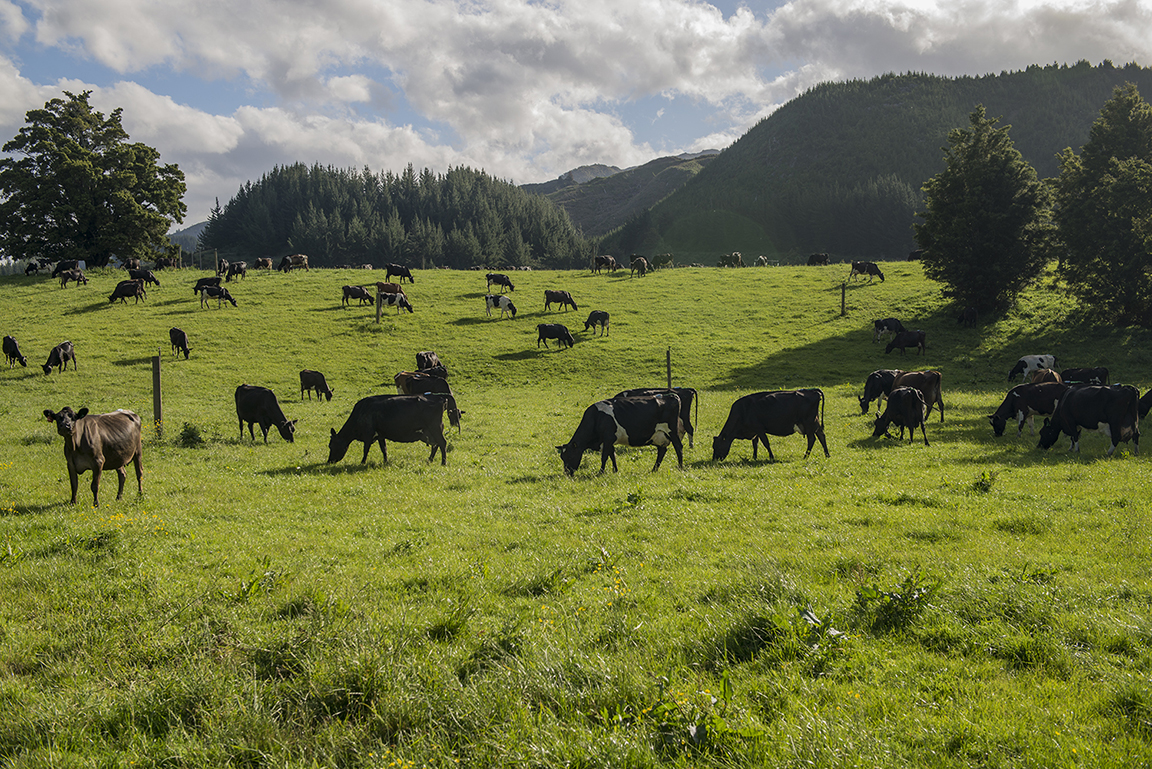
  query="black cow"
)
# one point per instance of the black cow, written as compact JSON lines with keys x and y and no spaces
{"x":563,"y":298}
{"x":425,"y":382}
{"x":236,"y":269}
{"x":650,"y":421}
{"x":202,"y":282}
{"x":165,"y":261}
{"x":131,"y":263}
{"x":499,"y":279}
{"x":604,"y":262}
{"x":929,"y":383}
{"x":499,"y":302}
{"x":877,"y":386}
{"x":145,"y":275}
{"x":904,"y":339}
{"x":1145,"y":404}
{"x":639,"y":265}
{"x":128,"y":288}
{"x":399,"y":301}
{"x":866,"y":268}
{"x":1024,"y":401}
{"x":221,"y":267}
{"x":219,"y":293}
{"x":400,"y":271}
{"x":905,"y":408}
{"x":313,"y":380}
{"x":687,"y":397}
{"x":292,"y":261}
{"x":179,"y":341}
{"x":1113,"y":411}
{"x":356,"y":292}
{"x":258,"y":405}
{"x":99,"y":442}
{"x":779,"y":412}
{"x":77,"y":276}
{"x":64,"y":265}
{"x":264,"y":263}
{"x":968,"y":317}
{"x":428,"y":359}
{"x":59,"y":357}
{"x":819,"y":260}
{"x":12,"y":353}
{"x":557,"y":331}
{"x":884,"y":327}
{"x":400,"y":418}
{"x":1096,"y":376}
{"x":597,"y":318}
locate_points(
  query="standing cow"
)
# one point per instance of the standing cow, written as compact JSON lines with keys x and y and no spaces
{"x":99,"y":442}
{"x":557,"y":331}
{"x":400,"y":418}
{"x":687,"y":396}
{"x":780,"y":412}
{"x":562,"y":298}
{"x":866,"y":268}
{"x":12,"y":353}
{"x":179,"y":341}
{"x":59,"y":357}
{"x":499,"y":279}
{"x":499,"y":302}
{"x":258,"y":405}
{"x":1111,"y":410}
{"x":597,"y":318}
{"x":313,"y":380}
{"x":399,"y":271}
{"x":292,"y":262}
{"x":651,"y":421}
{"x":905,"y":408}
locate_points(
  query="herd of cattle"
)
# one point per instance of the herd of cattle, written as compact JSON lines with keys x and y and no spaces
{"x":1071,"y":400}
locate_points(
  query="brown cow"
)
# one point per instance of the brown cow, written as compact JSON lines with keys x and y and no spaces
{"x":97,"y":442}
{"x":929,"y":383}
{"x":388,"y":288}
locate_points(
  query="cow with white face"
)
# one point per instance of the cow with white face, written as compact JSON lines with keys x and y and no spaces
{"x":647,"y":421}
{"x":501,"y":303}
{"x":1029,"y":363}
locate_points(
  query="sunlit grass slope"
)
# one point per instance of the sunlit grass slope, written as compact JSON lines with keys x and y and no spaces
{"x":973,"y":602}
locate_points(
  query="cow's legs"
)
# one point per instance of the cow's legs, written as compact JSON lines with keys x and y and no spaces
{"x":367,"y":446}
{"x":755,"y":445}
{"x":679,"y":446}
{"x":136,"y":460}
{"x":912,"y":434}
{"x":660,"y":452}
{"x":383,"y":449}
{"x":608,"y":451}
{"x":74,"y":481}
{"x":823,"y":442}
{"x":122,"y":475}
{"x":767,"y":445}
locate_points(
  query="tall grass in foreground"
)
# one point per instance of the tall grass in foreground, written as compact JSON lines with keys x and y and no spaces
{"x":974,"y":602}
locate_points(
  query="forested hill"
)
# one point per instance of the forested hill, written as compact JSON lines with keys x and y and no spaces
{"x":462,"y":218}
{"x":839,"y":169}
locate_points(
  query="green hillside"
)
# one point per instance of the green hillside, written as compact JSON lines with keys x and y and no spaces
{"x":839,"y":169}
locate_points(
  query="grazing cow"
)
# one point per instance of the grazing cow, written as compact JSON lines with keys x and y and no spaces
{"x":904,"y":339}
{"x":127,"y":288}
{"x":687,"y":397}
{"x":780,"y":412}
{"x":59,"y":357}
{"x":399,"y":301}
{"x":131,"y":264}
{"x":400,"y":271}
{"x":648,"y":421}
{"x":734,"y":259}
{"x":292,"y":261}
{"x":424,"y":383}
{"x":33,"y":266}
{"x":1145,"y":404}
{"x":501,"y":303}
{"x":884,"y":327}
{"x":557,"y":331}
{"x":356,"y":292}
{"x":99,"y":442}
{"x":367,"y":267}
{"x":1041,"y":375}
{"x":179,"y":341}
{"x":165,"y":261}
{"x":819,"y":260}
{"x":428,"y":359}
{"x":660,"y":261}
{"x":388,"y":288}
{"x":1030,"y":363}
{"x":264,"y":263}
{"x":12,"y":353}
{"x":866,"y":268}
{"x":400,"y":418}
{"x":604,"y":262}
{"x":1023,"y":402}
{"x":761,"y":261}
{"x":1096,"y":376}
{"x":313,"y":380}
{"x":930,"y":385}
{"x":258,"y":405}
{"x":905,"y":409}
{"x":597,"y":318}
{"x":499,"y":279}
{"x":967,"y":317}
{"x":219,"y":293}
{"x":145,"y":275}
{"x":563,"y":298}
{"x":1111,"y":410}
{"x":639,"y":265}
{"x":64,"y":265}
{"x":202,"y":282}
{"x":876,"y":388}
{"x":74,"y":275}
{"x":221,"y":267}
{"x":236,"y":269}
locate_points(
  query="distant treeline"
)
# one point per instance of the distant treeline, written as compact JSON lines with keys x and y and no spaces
{"x":460,"y":219}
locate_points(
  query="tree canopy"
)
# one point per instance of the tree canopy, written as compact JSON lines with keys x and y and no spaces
{"x":74,"y":187}
{"x":987,"y":220}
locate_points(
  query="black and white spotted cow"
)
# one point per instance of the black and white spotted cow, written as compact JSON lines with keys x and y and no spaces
{"x":597,"y":318}
{"x":219,"y":293}
{"x":499,"y":302}
{"x":1110,"y":410}
{"x":359,"y":293}
{"x":779,"y":412}
{"x":877,"y":386}
{"x":399,"y":301}
{"x":562,"y":298}
{"x":202,"y":282}
{"x":687,"y":397}
{"x":885,"y":327}
{"x":648,"y":421}
{"x":1029,"y":363}
{"x":500,"y":279}
{"x":1023,"y":402}
{"x":866,"y":268}
{"x":557,"y":331}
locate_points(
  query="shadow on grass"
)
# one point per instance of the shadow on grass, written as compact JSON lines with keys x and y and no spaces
{"x":522,"y":355}
{"x":17,"y":510}
{"x":132,"y":361}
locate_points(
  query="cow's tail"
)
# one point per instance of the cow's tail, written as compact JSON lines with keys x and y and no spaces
{"x":821,"y":406}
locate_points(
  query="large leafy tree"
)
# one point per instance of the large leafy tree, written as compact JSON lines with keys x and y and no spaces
{"x":1104,"y":212}
{"x":986,"y":229}
{"x":74,"y":187}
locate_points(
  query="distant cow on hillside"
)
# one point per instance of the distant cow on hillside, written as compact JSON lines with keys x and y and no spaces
{"x":313,"y":380}
{"x":258,"y":405}
{"x":904,"y":339}
{"x":292,"y":262}
{"x":500,"y":279}
{"x":866,"y":268}
{"x":604,"y":262}
{"x":818,"y":260}
{"x":59,"y":357}
{"x":179,"y":342}
{"x":399,"y":271}
{"x":236,"y":269}
{"x":563,"y":298}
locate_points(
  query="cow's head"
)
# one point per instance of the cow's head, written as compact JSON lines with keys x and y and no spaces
{"x":864,"y":404}
{"x":571,"y":457}
{"x":65,"y":419}
{"x":512,"y":309}
{"x":1049,"y":434}
{"x":1017,"y":370}
{"x":998,"y":424}
{"x":880,"y":427}
{"x":404,"y":303}
{"x":337,"y":447}
{"x":287,"y":430}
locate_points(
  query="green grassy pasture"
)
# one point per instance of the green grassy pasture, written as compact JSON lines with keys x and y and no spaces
{"x":976,"y":602}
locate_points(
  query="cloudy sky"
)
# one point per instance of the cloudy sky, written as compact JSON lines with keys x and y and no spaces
{"x":523,"y":89}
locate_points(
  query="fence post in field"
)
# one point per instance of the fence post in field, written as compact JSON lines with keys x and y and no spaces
{"x":379,"y":305}
{"x":843,"y":291}
{"x":157,"y":400}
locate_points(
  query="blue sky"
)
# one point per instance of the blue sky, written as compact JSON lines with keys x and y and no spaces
{"x":524,"y":90}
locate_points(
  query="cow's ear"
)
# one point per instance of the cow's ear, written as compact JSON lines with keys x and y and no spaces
{"x":1047,"y":421}
{"x":560,"y":449}
{"x":82,"y":412}
{"x":293,"y":423}
{"x":50,"y":415}
{"x":333,"y":431}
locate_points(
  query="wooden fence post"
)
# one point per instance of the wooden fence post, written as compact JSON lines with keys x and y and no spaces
{"x":157,"y":399}
{"x":379,"y":306}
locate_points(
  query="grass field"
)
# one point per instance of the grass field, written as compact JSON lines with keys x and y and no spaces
{"x":976,"y":602}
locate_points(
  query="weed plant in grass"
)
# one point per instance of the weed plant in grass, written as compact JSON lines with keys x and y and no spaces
{"x":975,"y":602}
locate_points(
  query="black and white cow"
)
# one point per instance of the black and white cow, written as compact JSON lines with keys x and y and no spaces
{"x":778,"y":412}
{"x":597,"y":318}
{"x":1029,"y":363}
{"x":127,"y":288}
{"x":905,"y":408}
{"x":1096,"y":376}
{"x":557,"y":331}
{"x":147,"y":276}
{"x":687,"y":397}
{"x":356,"y":292}
{"x":428,"y":359}
{"x":399,"y":301}
{"x":313,"y":380}
{"x":202,"y":282}
{"x":59,"y":357}
{"x":258,"y":405}
{"x":818,"y":260}
{"x":64,"y":265}
{"x":221,"y":267}
{"x":877,"y":386}
{"x":501,"y":303}
{"x":885,"y":327}
{"x":400,"y":418}
{"x":563,"y":298}
{"x":425,"y":382}
{"x":76,"y":276}
{"x":236,"y":269}
{"x":12,"y":353}
{"x":604,"y":262}
{"x":400,"y":271}
{"x":499,"y":279}
{"x":1023,"y":402}
{"x":904,"y":339}
{"x":930,"y":384}
{"x":1111,"y":410}
{"x":649,"y":421}
{"x":292,"y":262}
{"x":866,"y":268}
{"x":219,"y":293}
{"x":179,"y":341}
